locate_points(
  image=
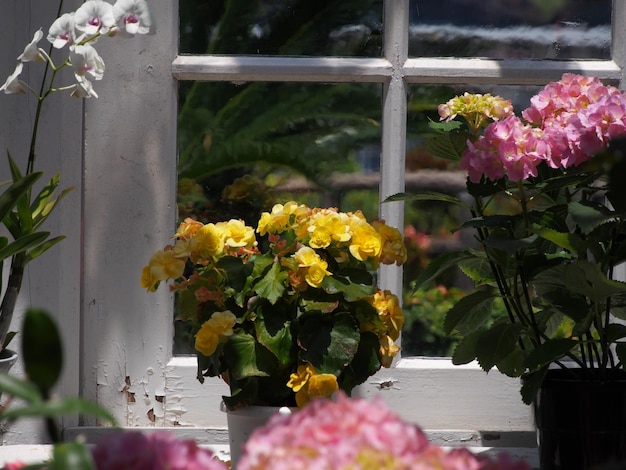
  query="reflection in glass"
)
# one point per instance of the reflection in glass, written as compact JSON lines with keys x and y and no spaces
{"x":282,"y":27}
{"x":538,"y":29}
{"x":244,"y":147}
{"x":431,"y":227}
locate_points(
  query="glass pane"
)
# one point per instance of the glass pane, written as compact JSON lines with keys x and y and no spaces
{"x":430,"y":227}
{"x":282,"y":27}
{"x":244,"y":147}
{"x":538,"y":29}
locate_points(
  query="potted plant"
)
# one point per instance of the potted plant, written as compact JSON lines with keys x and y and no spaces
{"x":548,"y":202}
{"x":286,"y":311}
{"x":23,"y":209}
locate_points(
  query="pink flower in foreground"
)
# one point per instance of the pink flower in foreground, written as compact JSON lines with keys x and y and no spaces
{"x":351,"y":433}
{"x":133,"y":450}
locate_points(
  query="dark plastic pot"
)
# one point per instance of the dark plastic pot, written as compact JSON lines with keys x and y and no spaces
{"x":7,"y":360}
{"x":581,"y":420}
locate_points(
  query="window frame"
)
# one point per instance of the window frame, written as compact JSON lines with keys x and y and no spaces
{"x":128,"y":154}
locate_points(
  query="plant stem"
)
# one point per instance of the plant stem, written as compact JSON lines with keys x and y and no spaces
{"x":14,"y":284}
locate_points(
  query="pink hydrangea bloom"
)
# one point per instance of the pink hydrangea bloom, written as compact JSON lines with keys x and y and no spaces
{"x":579,"y":115}
{"x":566,"y":124}
{"x":133,"y":450}
{"x":352,"y":433}
{"x":508,"y":147}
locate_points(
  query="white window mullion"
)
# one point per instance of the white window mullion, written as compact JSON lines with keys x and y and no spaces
{"x":618,"y":39}
{"x":396,"y":43}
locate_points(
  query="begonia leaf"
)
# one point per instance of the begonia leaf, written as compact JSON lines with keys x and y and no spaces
{"x":328,"y":343}
{"x":272,"y":285}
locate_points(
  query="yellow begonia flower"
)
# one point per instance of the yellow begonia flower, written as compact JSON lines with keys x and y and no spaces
{"x":388,"y":350}
{"x":147,"y":280}
{"x":316,"y":267}
{"x":366,"y":242}
{"x":188,"y":229}
{"x":165,"y":265}
{"x":206,"y":339}
{"x":390,"y":312}
{"x":238,"y":234}
{"x":223,"y":322}
{"x":184,"y":247}
{"x":210,"y":241}
{"x":393,"y":250}
{"x":264,"y":223}
{"x":309,"y":385}
{"x":332,"y":227}
{"x":300,"y":377}
{"x":215,"y":330}
{"x":320,"y":237}
{"x":316,"y":273}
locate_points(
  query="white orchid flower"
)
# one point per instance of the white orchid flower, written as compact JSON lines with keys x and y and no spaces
{"x":85,"y":60}
{"x":61,"y":32}
{"x":13,"y":85}
{"x":94,"y":16}
{"x":31,"y":51}
{"x":83,"y":88}
{"x":132,"y":16}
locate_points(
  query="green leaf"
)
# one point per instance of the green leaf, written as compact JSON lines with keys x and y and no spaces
{"x":276,"y":338}
{"x":72,"y":456}
{"x":549,"y":352}
{"x":272,"y":285}
{"x":569,"y":241}
{"x":581,"y":278}
{"x":15,"y":193}
{"x":426,"y":196}
{"x":43,"y":247}
{"x":587,"y":216}
{"x":441,"y":265}
{"x":508,"y":245}
{"x":41,"y":349}
{"x":513,"y":364}
{"x":39,"y":218}
{"x":59,"y":407}
{"x":531,"y":384}
{"x":23,"y":205}
{"x":365,"y":363}
{"x":496,"y":344}
{"x":23,"y":243}
{"x":620,"y":350}
{"x":478,"y":269}
{"x":329,"y":343}
{"x":247,"y":358}
{"x":448,"y":145}
{"x":469,"y":313}
{"x":351,"y":291}
{"x":465,"y":351}
{"x":19,"y":388}
{"x":615,"y":331}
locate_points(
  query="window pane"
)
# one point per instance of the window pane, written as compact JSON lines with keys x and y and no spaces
{"x":244,"y":147}
{"x":282,"y":27}
{"x":538,"y":29}
{"x":430,"y":227}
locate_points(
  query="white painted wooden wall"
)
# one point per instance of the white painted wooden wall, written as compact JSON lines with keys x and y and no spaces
{"x":119,"y":151}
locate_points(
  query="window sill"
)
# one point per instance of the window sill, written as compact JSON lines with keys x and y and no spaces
{"x":37,"y":453}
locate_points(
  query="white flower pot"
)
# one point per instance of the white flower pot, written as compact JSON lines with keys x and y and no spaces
{"x":242,"y":423}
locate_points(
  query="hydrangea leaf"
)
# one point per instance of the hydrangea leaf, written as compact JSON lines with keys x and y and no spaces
{"x":469,"y":313}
